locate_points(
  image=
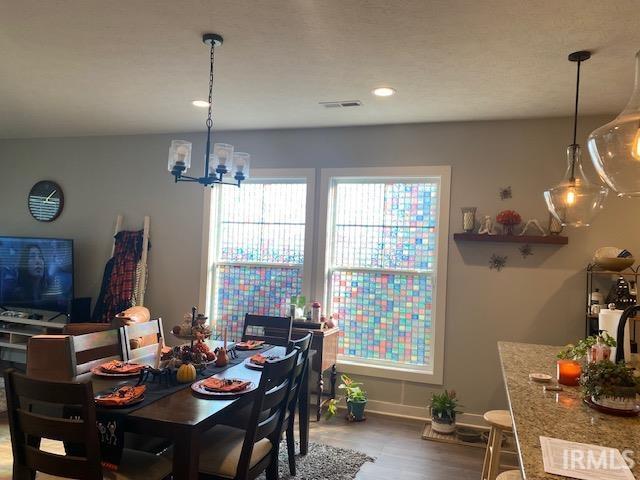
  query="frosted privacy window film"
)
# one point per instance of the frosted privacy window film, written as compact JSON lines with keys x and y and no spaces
{"x":382,"y":269}
{"x":259,"y":266}
{"x":263,"y":222}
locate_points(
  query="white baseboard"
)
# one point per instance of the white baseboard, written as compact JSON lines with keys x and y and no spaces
{"x":420,"y":413}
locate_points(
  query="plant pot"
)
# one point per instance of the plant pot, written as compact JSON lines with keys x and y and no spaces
{"x":624,"y":399}
{"x":356,"y":410}
{"x":443,"y":425}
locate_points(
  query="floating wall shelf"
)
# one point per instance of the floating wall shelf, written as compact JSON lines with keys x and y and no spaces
{"x":531,"y":239}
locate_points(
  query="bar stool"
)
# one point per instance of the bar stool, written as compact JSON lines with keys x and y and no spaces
{"x":500,"y":422}
{"x":510,"y":475}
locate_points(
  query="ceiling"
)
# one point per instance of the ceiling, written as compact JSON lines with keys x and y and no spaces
{"x":96,"y":67}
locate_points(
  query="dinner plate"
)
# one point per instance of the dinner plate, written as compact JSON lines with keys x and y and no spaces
{"x":612,"y":411}
{"x":200,"y":389}
{"x":256,"y":347}
{"x":101,"y":373}
{"x":125,"y":405}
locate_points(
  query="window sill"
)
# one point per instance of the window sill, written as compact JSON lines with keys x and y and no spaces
{"x":382,"y":371}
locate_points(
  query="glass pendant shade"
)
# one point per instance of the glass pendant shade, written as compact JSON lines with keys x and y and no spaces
{"x":615,"y":147}
{"x":575,"y":201}
{"x":242,"y":162}
{"x":179,"y":155}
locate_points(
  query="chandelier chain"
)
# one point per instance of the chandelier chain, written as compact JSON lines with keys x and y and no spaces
{"x":212,"y":58}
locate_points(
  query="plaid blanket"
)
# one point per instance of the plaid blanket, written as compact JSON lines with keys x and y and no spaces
{"x":119,"y":280}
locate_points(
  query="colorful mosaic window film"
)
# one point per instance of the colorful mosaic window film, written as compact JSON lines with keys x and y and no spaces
{"x":263,"y":222}
{"x":386,"y":225}
{"x":257,"y":290}
{"x":385,"y":315}
{"x":259,"y":223}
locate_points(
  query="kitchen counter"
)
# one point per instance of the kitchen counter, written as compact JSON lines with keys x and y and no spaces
{"x":560,"y":415}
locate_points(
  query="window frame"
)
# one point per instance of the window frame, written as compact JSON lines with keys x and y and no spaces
{"x":211,"y":238}
{"x":326,"y":212}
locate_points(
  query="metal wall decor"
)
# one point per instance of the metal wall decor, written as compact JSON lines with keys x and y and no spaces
{"x":497,"y":262}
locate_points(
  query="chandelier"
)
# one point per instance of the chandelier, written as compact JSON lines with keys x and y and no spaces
{"x":575,"y":200}
{"x":615,"y":147}
{"x":223,"y":161}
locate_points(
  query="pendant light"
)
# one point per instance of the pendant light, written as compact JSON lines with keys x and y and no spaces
{"x":575,"y":200}
{"x":615,"y":147}
{"x":223,"y":160}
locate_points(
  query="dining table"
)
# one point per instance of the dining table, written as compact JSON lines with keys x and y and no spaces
{"x":183,"y":416}
{"x":539,"y":412}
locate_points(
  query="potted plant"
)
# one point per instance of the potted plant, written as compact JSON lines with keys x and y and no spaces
{"x":356,"y":399}
{"x":611,"y":385}
{"x":585,"y":348}
{"x":443,"y":412}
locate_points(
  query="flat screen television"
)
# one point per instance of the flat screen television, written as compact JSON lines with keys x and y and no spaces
{"x":36,"y":273}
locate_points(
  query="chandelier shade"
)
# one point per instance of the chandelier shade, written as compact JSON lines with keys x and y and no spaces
{"x":575,"y":201}
{"x":615,"y":147}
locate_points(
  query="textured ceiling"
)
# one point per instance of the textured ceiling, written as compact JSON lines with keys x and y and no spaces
{"x":87,"y":67}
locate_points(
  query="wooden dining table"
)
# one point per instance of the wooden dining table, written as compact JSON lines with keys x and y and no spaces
{"x":183,"y":416}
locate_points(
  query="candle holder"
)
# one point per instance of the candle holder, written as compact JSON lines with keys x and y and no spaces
{"x":568,"y":372}
{"x":469,"y":219}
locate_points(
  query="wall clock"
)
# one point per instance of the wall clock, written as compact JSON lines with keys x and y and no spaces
{"x":46,"y":201}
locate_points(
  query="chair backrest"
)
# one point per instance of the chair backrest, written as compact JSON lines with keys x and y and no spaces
{"x":93,"y":349}
{"x":267,"y":413}
{"x":148,"y":353}
{"x":51,"y":357}
{"x":28,"y":428}
{"x":272,"y":330}
{"x":302,"y":345}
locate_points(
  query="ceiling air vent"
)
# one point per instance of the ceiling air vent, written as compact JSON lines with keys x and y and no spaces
{"x":342,"y":104}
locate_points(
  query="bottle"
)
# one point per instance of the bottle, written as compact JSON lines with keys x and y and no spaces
{"x":315,"y":312}
{"x":596,"y":298}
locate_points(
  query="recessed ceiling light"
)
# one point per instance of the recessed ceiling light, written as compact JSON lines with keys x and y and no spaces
{"x":383,"y":91}
{"x":200,"y":103}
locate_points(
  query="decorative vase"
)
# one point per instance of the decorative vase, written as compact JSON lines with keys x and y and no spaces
{"x":445,"y":425}
{"x":355,"y":410}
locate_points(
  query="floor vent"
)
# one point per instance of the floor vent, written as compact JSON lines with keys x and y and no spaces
{"x":342,"y":104}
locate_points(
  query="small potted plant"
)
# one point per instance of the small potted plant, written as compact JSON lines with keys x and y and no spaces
{"x":356,"y":399}
{"x":443,"y":412}
{"x":611,"y":385}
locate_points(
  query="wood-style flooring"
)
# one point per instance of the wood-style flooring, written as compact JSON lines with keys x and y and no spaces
{"x":399,"y":450}
{"x":395,"y":443}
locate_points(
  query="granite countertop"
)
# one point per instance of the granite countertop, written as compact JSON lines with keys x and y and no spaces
{"x":560,"y":415}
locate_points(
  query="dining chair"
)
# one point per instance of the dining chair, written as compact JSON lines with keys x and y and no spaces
{"x":94,"y":349}
{"x":302,"y":345}
{"x":29,"y":428}
{"x":271,"y":330}
{"x":232,"y":453}
{"x":148,"y":330}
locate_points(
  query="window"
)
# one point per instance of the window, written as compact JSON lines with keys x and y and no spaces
{"x":384,"y":268}
{"x":258,"y":248}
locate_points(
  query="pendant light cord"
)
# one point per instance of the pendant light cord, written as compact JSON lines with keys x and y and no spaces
{"x":209,"y":122}
{"x":575,"y":124}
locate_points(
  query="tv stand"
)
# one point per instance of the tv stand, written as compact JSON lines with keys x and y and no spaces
{"x":15,"y":332}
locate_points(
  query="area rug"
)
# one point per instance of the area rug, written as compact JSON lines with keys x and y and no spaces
{"x":323,"y":462}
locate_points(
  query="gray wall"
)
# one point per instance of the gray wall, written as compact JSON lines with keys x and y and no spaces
{"x":539,"y":299}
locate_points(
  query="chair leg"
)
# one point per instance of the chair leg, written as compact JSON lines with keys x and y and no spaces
{"x":272,"y":469}
{"x":487,"y":455}
{"x":291,"y":449}
{"x":496,"y":449}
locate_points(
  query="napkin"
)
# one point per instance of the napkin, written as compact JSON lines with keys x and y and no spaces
{"x":249,"y":344}
{"x":123,"y":396}
{"x":117,"y":366}
{"x":225,"y":385}
{"x":260,"y":359}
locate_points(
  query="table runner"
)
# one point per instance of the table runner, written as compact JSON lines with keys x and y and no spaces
{"x":110,"y":420}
